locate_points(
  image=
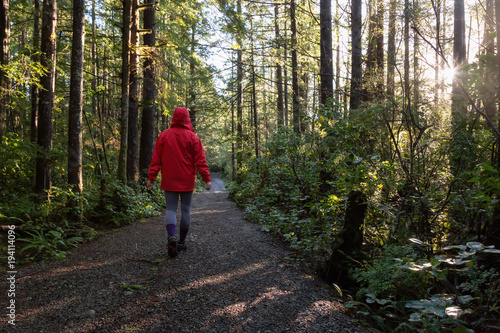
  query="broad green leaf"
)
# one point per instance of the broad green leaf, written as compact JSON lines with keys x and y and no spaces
{"x":475,"y":246}
{"x":497,"y":251}
{"x":414,"y":317}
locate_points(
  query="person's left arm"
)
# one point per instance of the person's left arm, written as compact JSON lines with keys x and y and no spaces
{"x":200,"y":162}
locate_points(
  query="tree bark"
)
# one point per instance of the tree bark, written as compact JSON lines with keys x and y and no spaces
{"x":406,"y":77}
{"x":122,"y":158}
{"x":391,"y":49}
{"x":285,"y":81}
{"x":35,"y":58}
{"x":239,"y":101}
{"x":279,"y":76}
{"x":254,"y":97}
{"x":459,"y":102}
{"x":192,"y":81}
{"x":369,"y":74}
{"x":76,"y":98}
{"x":295,"y":71}
{"x":46,"y":106}
{"x":459,"y":53}
{"x":148,"y":90}
{"x":326,"y":52}
{"x":4,"y":60}
{"x":346,"y":250}
{"x":356,"y":71}
{"x":493,"y":236}
{"x":379,"y":35}
{"x":416,"y":55}
{"x":487,"y":91}
{"x":437,"y":11}
{"x":133,"y":116}
{"x":337,"y":57}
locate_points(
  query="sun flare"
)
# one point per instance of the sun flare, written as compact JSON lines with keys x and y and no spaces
{"x":447,"y":74}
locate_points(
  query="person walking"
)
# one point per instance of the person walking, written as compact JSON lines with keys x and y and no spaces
{"x":178,"y":154}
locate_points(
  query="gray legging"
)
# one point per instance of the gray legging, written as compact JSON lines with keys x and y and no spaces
{"x":172,"y":199}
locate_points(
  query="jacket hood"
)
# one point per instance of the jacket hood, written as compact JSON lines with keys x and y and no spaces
{"x":181,"y":119}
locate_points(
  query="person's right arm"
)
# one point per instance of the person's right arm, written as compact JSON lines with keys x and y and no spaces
{"x":155,"y":165}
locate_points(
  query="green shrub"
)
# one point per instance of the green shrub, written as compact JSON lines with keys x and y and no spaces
{"x":47,"y":240}
{"x":121,"y":204}
{"x":405,"y":291}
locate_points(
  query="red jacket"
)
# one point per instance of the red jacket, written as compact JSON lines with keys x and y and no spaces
{"x":179,"y":153}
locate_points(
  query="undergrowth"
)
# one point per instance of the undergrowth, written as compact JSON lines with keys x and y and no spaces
{"x":412,"y":280}
{"x":49,"y":229}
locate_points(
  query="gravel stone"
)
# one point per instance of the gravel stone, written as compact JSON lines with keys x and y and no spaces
{"x":232,"y":278}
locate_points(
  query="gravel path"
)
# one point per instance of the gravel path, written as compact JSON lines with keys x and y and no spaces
{"x":232,"y":278}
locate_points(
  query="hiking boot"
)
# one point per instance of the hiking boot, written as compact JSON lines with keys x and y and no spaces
{"x":172,"y":246}
{"x":181,"y":246}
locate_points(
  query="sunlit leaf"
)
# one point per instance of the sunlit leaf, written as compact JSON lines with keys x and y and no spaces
{"x":476,"y":246}
{"x":460,"y":247}
{"x":497,"y":251}
{"x":416,"y":241}
{"x":453,"y":311}
{"x":465,"y":299}
{"x":414,"y":317}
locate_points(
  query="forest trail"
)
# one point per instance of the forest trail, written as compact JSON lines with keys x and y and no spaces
{"x":232,"y":278}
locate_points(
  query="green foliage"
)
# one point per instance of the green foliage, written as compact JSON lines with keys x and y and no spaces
{"x":121,"y":204}
{"x":407,"y":291}
{"x":283,"y":188}
{"x":48,"y":240}
{"x":297,"y":189}
{"x":387,"y":277}
{"x":49,"y":229}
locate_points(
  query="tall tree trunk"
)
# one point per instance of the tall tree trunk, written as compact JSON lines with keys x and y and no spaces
{"x":46,"y":107}
{"x":148,"y":90}
{"x":122,"y":158}
{"x":459,"y":104}
{"x":379,"y":35}
{"x":98,"y":106}
{"x":487,"y":90}
{"x":356,"y":71}
{"x":303,"y":97}
{"x":279,"y":76}
{"x":35,"y":58}
{"x":133,"y":116}
{"x":239,"y":101}
{"x":326,"y":53}
{"x":254,"y":107}
{"x":254,"y":93}
{"x":437,"y":11}
{"x":94,"y":61}
{"x":285,"y":80}
{"x":233,"y":133}
{"x":406,"y":77}
{"x":192,"y":81}
{"x":493,"y":236}
{"x":416,"y":55}
{"x":4,"y":60}
{"x":295,"y":70}
{"x":76,"y":98}
{"x":369,"y":74}
{"x":391,"y":49}
{"x":459,"y":53}
{"x":337,"y":55}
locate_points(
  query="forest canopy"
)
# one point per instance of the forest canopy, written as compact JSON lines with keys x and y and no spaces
{"x":363,"y":133}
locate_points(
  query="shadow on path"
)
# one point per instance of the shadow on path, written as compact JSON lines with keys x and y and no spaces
{"x":232,"y":278}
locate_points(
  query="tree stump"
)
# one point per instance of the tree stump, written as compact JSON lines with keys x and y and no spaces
{"x":347,"y":246}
